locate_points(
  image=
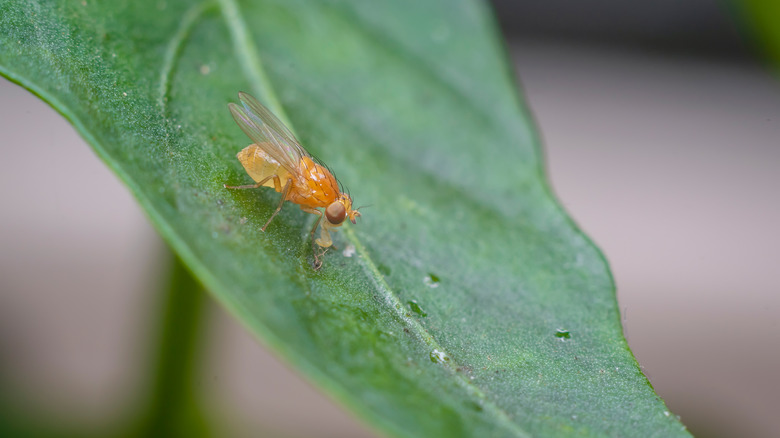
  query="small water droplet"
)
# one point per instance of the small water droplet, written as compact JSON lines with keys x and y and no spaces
{"x":666,"y":413}
{"x":439,"y":356}
{"x":124,"y":94}
{"x":562,"y":334}
{"x":431,"y":280}
{"x":416,"y":308}
{"x":349,"y":251}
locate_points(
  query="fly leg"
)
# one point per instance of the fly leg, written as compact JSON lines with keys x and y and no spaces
{"x":325,"y":240}
{"x":277,"y":185}
{"x":254,"y":186}
{"x":284,"y":191}
{"x":317,"y":261}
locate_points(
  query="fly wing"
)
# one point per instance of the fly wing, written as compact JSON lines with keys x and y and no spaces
{"x":280,"y":134}
{"x":255,"y":127}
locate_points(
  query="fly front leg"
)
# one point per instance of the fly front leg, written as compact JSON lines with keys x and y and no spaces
{"x":317,"y":262}
{"x":285,"y":191}
{"x":316,"y":223}
{"x":325,"y":240}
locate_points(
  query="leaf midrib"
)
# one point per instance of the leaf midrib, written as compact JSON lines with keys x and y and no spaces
{"x":255,"y":72}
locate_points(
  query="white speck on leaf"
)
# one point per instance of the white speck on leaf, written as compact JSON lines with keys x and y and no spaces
{"x":349,"y":251}
{"x":430,"y":283}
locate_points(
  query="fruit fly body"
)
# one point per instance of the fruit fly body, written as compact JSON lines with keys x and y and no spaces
{"x":276,"y":159}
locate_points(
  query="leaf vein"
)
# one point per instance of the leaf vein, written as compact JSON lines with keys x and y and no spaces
{"x":248,"y":56}
{"x":425,"y":336}
{"x":173,"y":50}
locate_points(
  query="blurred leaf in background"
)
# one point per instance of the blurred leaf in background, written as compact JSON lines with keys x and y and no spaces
{"x":761,"y":22}
{"x":464,"y":303}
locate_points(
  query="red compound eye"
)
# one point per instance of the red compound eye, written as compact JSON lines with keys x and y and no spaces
{"x":336,"y":212}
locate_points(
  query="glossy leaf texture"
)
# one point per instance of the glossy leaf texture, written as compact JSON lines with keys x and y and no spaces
{"x":464,"y":303}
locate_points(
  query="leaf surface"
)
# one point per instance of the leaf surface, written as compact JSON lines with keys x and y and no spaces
{"x":464,"y":303}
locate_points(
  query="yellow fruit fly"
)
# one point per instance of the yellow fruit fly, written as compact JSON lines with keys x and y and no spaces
{"x":276,"y":159}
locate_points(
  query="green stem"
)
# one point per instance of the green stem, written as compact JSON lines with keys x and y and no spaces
{"x":172,"y":408}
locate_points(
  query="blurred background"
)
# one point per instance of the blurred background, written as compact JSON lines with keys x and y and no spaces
{"x":661,"y":128}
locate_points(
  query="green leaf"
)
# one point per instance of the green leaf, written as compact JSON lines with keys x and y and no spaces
{"x":760,"y":18}
{"x":472,"y":306}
